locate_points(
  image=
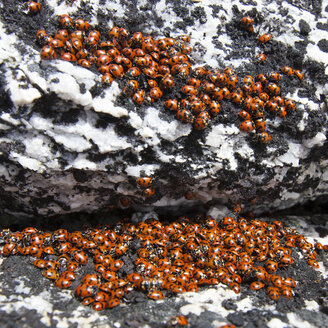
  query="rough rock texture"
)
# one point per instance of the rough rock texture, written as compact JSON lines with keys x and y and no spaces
{"x":27,"y":299}
{"x":70,"y":144}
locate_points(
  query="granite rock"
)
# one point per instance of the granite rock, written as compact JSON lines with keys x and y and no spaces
{"x":69,"y":144}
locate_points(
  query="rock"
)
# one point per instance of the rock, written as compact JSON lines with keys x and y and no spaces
{"x":70,"y":144}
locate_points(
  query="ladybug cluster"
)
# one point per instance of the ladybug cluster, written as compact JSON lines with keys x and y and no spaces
{"x":152,"y":69}
{"x":169,"y":257}
{"x":146,"y":183}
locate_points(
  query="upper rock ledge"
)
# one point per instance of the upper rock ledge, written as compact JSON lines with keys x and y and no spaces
{"x":70,"y":144}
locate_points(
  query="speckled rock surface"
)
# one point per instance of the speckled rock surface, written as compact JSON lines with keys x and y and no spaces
{"x":27,"y":299}
{"x":70,"y":144}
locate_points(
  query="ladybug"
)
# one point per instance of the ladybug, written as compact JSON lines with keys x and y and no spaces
{"x":66,"y":21}
{"x":72,"y":266}
{"x":287,"y":70}
{"x":179,"y":320}
{"x":84,"y":63}
{"x":91,"y":41}
{"x":189,"y":90}
{"x":264,"y":38}
{"x":144,"y":182}
{"x":289,"y":104}
{"x":99,"y":306}
{"x":247,"y":21}
{"x":264,"y":137}
{"x":247,"y":126}
{"x":41,"y":264}
{"x":107,"y":79}
{"x":101,"y":296}
{"x":156,"y":295}
{"x":33,"y":7}
{"x":214,"y":108}
{"x":271,"y":266}
{"x":42,"y":36}
{"x":194,"y":82}
{"x":273,"y":89}
{"x":133,"y":73}
{"x":282,"y":112}
{"x":229,"y":71}
{"x":232,"y":81}
{"x":286,"y":292}
{"x":256,"y":285}
{"x":184,"y":38}
{"x":184,"y":115}
{"x":313,"y":263}
{"x":260,"y":125}
{"x":274,"y":76}
{"x":81,"y":24}
{"x":245,"y":115}
{"x":87,"y":301}
{"x":61,"y":35}
{"x":63,"y":283}
{"x":50,"y":274}
{"x":273,"y":293}
{"x":76,"y":44}
{"x":85,"y":290}
{"x":131,"y":87}
{"x":260,"y":58}
{"x":116,"y":70}
{"x":80,"y":257}
{"x":234,"y":286}
{"x":272,"y":106}
{"x":68,"y":57}
{"x":172,"y":104}
{"x":299,"y":74}
{"x":290,"y":282}
{"x":113,"y":302}
{"x":138,"y":97}
{"x":48,"y":53}
{"x":156,"y":93}
{"x":277,"y":281}
{"x":200,"y":123}
{"x":248,"y":79}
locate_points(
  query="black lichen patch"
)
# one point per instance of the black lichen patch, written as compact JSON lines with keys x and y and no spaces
{"x":323,"y":45}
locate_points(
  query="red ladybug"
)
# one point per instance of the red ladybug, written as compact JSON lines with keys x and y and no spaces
{"x":172,"y":104}
{"x":33,"y":7}
{"x":144,"y":182}
{"x":273,"y":293}
{"x":149,"y":192}
{"x":260,"y":58}
{"x":107,"y":79}
{"x":99,"y":306}
{"x":271,"y":266}
{"x":113,"y":302}
{"x":84,"y":290}
{"x":139,"y":97}
{"x":247,"y":126}
{"x":48,"y":53}
{"x":155,"y":93}
{"x":50,"y":274}
{"x":299,"y":74}
{"x":68,"y":57}
{"x":287,"y":70}
{"x":247,"y":20}
{"x":264,"y":137}
{"x":265,"y":38}
{"x":156,"y":295}
{"x":81,"y":24}
{"x":256,"y":285}
{"x":184,"y":115}
{"x":63,"y":283}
